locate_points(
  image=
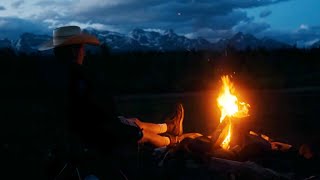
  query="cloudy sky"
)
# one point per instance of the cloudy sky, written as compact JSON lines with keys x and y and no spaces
{"x":291,"y":21}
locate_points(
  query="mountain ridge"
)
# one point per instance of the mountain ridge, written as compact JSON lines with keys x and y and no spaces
{"x":145,"y":40}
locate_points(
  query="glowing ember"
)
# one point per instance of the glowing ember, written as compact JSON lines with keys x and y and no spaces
{"x":230,"y":107}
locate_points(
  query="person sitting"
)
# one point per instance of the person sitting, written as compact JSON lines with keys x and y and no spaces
{"x":87,"y":122}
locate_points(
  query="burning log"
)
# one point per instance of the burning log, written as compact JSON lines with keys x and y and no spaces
{"x":217,"y":134}
{"x":224,"y":139}
{"x":276,"y":146}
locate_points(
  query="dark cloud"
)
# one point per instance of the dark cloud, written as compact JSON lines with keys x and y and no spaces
{"x":210,"y":34}
{"x":13,"y":27}
{"x":251,"y":27}
{"x":195,"y":14}
{"x":184,"y":16}
{"x":53,"y":3}
{"x":205,"y":18}
{"x":228,"y":21}
{"x":213,"y":34}
{"x":300,"y":37}
{"x":2,"y":8}
{"x":315,"y":28}
{"x":17,"y":4}
{"x":265,"y":13}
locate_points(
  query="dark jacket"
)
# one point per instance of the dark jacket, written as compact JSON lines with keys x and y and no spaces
{"x":96,"y":125}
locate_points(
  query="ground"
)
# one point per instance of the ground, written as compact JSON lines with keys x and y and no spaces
{"x":33,"y":122}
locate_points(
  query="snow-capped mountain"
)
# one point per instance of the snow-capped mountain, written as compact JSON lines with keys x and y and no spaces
{"x":141,"y":40}
{"x":145,"y":40}
{"x":5,"y":43}
{"x":116,"y":41}
{"x":242,"y":41}
{"x":316,"y":44}
{"x":271,"y":44}
{"x":29,"y":42}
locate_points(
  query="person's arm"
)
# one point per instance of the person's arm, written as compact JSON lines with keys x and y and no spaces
{"x":94,"y":120}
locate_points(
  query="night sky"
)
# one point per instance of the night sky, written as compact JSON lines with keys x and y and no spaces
{"x":291,"y":21}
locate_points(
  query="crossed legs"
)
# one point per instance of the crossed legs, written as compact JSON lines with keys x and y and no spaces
{"x":159,"y":135}
{"x":151,"y":131}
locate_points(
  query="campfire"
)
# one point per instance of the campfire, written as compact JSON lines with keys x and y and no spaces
{"x":232,"y":111}
{"x":233,"y":150}
{"x":230,"y":107}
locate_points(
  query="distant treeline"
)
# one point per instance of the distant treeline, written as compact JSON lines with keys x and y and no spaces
{"x":159,"y":72}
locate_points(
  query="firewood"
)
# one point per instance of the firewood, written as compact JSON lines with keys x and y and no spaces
{"x":217,"y":132}
{"x":222,"y":136}
{"x":279,"y":146}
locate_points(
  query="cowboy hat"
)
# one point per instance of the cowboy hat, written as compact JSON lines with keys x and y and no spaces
{"x":68,"y":35}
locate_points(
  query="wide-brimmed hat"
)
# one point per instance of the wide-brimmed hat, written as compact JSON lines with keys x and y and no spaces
{"x":68,"y":35}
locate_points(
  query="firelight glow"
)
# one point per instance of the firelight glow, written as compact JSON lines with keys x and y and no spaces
{"x":227,"y":102}
{"x":230,"y":107}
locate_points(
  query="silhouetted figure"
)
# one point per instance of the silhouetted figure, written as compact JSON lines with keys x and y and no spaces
{"x":90,"y":128}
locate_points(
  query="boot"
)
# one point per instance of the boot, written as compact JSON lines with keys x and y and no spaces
{"x":174,"y":122}
{"x":173,"y":139}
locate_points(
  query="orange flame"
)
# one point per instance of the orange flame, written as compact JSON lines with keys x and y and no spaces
{"x":230,"y":106}
{"x":226,"y":142}
{"x":227,"y":102}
